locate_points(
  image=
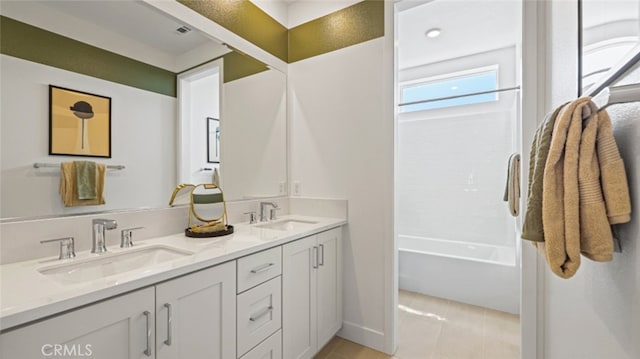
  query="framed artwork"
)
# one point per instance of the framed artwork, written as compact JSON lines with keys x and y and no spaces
{"x":79,"y":123}
{"x":213,"y":140}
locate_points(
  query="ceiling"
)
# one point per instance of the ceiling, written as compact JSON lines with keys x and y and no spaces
{"x":468,"y":27}
{"x":291,"y":13}
{"x":134,"y":20}
{"x":127,"y":27}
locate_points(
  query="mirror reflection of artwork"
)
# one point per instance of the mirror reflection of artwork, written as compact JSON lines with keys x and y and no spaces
{"x":79,"y":123}
{"x":213,"y":140}
{"x":610,"y":30}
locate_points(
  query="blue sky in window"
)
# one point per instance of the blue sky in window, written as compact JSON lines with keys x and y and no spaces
{"x":485,"y":81}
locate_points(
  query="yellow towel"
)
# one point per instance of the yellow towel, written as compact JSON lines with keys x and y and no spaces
{"x":69,"y":189}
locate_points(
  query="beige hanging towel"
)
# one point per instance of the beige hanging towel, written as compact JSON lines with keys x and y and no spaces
{"x":604,"y":192}
{"x":69,"y":185}
{"x":584,"y":188}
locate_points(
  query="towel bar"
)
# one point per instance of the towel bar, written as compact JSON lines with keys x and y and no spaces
{"x":57,"y":165}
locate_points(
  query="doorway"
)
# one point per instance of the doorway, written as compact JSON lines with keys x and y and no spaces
{"x":458,"y":120}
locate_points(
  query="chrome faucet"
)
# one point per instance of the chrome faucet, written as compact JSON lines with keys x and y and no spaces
{"x":100,"y":226}
{"x":263,"y":210}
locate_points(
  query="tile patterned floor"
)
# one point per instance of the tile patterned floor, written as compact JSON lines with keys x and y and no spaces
{"x":435,"y":328}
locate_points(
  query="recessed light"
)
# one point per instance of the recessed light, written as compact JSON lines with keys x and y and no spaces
{"x":433,"y":33}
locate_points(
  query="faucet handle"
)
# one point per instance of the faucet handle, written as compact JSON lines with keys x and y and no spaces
{"x":126,"y":237}
{"x":67,"y":247}
{"x":252,"y":217}
{"x":272,"y":213}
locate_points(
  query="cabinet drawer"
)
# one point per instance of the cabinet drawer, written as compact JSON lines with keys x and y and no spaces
{"x":259,"y":314}
{"x":268,"y":349}
{"x":258,"y":268}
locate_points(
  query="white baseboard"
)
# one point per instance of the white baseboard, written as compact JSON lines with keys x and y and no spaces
{"x":362,"y":335}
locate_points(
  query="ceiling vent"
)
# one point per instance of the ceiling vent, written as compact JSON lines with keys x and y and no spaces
{"x":183,"y":30}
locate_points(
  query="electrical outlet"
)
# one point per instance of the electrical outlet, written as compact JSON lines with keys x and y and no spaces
{"x":297,"y":188}
{"x":282,"y":188}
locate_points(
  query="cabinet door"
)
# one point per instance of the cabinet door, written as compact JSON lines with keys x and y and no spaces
{"x":195,"y":315}
{"x":329,"y":285}
{"x":116,"y":328}
{"x":299,"y":332}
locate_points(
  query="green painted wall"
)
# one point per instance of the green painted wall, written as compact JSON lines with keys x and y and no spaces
{"x":30,"y":43}
{"x":237,"y":66}
{"x":350,"y":26}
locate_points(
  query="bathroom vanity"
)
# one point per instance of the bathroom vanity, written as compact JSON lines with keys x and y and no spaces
{"x":271,"y":289}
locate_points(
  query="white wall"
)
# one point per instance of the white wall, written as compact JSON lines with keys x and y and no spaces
{"x":595,"y":314}
{"x":142,"y":135}
{"x":204,"y":101}
{"x":341,"y":133}
{"x":253,"y":136}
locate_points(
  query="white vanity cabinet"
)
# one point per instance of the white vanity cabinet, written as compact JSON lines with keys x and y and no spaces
{"x":122,"y":327}
{"x":196,"y":315}
{"x":188,"y":317}
{"x":311,"y":293}
{"x":284,"y":302}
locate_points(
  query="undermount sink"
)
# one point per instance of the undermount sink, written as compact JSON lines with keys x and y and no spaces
{"x":287,"y":224}
{"x":105,"y":265}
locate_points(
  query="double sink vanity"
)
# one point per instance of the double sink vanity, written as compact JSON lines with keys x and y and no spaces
{"x":271,"y":289}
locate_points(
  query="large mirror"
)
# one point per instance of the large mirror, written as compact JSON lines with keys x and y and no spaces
{"x":609,"y":31}
{"x":147,"y":130}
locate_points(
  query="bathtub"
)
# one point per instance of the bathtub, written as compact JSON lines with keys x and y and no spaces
{"x":478,"y":274}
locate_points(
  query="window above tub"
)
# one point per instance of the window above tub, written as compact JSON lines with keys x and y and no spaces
{"x":456,"y":89}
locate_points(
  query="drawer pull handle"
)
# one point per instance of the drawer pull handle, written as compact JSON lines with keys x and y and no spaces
{"x":321,"y":262}
{"x":147,"y":351}
{"x":262,"y":268}
{"x":314,"y":257}
{"x":262,"y":313}
{"x":169,"y":320}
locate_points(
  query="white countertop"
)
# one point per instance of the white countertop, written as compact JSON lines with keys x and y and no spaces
{"x":27,"y":295}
